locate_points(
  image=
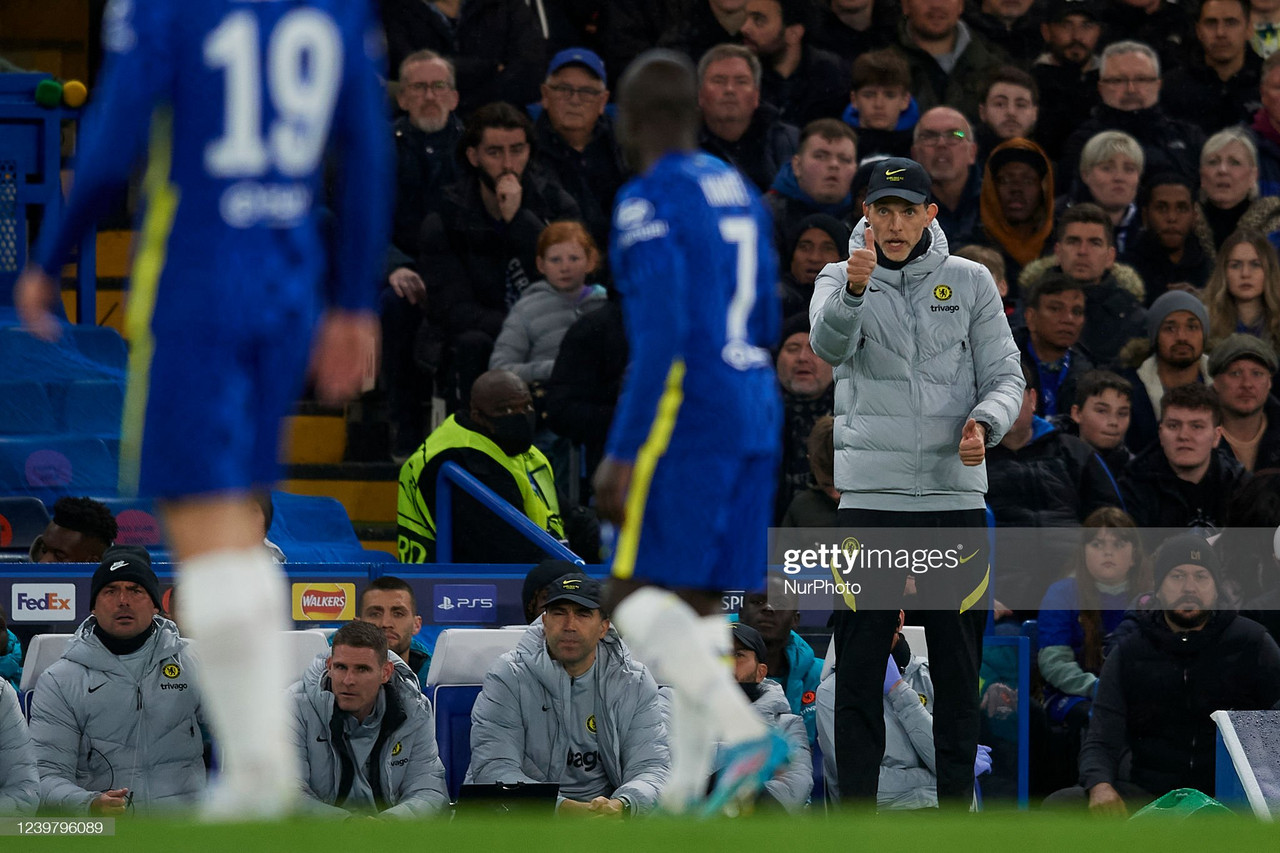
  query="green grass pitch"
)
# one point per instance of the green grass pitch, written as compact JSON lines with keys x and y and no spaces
{"x":993,"y":832}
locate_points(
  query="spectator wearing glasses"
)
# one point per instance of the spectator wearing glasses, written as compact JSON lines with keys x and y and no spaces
{"x":426,"y":139}
{"x":575,"y":139}
{"x":1129,"y":85}
{"x":945,"y":146}
{"x":116,"y":721}
{"x":496,"y":45}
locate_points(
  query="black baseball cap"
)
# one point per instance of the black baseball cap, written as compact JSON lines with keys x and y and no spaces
{"x":750,"y":640}
{"x":899,"y":177}
{"x":577,"y":588}
{"x":1060,"y":9}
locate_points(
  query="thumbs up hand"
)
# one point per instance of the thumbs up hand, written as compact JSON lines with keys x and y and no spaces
{"x":973,"y":443}
{"x":861,"y":264}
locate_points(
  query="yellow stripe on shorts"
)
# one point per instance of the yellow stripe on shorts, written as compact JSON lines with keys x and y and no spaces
{"x":655,"y":445}
{"x":157,"y":225}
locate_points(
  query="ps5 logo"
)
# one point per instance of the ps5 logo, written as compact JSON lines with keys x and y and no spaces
{"x":466,"y":603}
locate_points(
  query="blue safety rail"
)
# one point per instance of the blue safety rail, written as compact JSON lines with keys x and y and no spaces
{"x":451,"y":475}
{"x":31,"y":181}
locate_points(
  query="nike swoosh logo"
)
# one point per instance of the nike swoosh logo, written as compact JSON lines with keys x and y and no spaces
{"x":321,"y":739}
{"x":546,"y":707}
{"x":118,"y":565}
{"x":874,"y":289}
{"x":894,"y":172}
{"x":99,"y":687}
{"x":968,"y":558}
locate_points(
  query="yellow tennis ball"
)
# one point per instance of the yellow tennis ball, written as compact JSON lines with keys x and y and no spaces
{"x":74,"y":93}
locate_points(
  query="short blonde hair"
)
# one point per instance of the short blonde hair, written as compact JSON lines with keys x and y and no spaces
{"x":1220,"y":140}
{"x":1101,"y":147}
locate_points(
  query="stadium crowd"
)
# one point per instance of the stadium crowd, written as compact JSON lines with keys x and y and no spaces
{"x":1114,"y":166}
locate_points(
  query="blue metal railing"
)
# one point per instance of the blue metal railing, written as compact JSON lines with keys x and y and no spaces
{"x":452,"y":474}
{"x":31,"y":143}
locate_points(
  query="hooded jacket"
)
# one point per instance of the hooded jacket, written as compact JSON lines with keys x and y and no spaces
{"x":404,"y":770}
{"x":519,"y":724}
{"x":531,"y":334}
{"x":96,"y":727}
{"x":1157,"y":690}
{"x":19,"y":780}
{"x":922,"y":350}
{"x":1024,"y":243}
{"x":1113,"y":312}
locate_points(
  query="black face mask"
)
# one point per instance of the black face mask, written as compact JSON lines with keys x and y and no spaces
{"x":513,"y":433}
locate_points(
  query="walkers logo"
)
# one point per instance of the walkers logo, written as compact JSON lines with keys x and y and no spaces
{"x":466,"y":603}
{"x":323,"y":602}
{"x":43,"y":602}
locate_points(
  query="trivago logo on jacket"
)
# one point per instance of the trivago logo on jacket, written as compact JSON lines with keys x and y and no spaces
{"x":323,"y":602}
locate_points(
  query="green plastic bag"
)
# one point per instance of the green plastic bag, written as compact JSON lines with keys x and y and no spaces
{"x":1183,"y":803}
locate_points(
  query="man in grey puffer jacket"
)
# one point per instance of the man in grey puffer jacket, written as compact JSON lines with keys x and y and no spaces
{"x":19,"y":780}
{"x":115,"y":722}
{"x":364,"y":732}
{"x":927,"y":377}
{"x":570,"y":705}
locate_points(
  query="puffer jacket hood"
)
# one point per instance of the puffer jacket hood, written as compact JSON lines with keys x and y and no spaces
{"x":404,"y":768}
{"x":1125,"y":276}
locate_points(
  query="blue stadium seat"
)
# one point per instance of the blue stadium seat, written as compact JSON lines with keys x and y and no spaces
{"x":94,"y":407}
{"x":102,"y":344}
{"x":452,"y":704}
{"x":317,"y":530}
{"x":23,"y":356}
{"x":51,"y":466}
{"x":25,"y":409}
{"x":21,"y":521}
